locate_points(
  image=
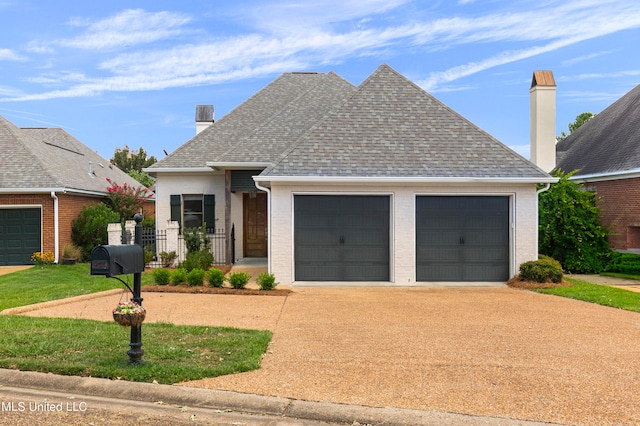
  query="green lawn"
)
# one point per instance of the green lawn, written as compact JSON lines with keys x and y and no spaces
{"x":41,"y":284}
{"x":600,"y":294}
{"x":99,"y":349}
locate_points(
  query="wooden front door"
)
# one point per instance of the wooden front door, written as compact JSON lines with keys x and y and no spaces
{"x":255,"y":224}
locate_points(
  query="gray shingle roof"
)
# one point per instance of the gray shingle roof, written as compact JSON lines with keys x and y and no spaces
{"x":263,"y":126}
{"x":608,"y":143}
{"x":45,"y":159}
{"x":390,"y":127}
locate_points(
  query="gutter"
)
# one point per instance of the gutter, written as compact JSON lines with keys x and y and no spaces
{"x":624,"y":174}
{"x":154,"y":170}
{"x":268,"y":191}
{"x":546,"y":188}
{"x":240,"y":165}
{"x":395,"y":180}
{"x":56,"y":227}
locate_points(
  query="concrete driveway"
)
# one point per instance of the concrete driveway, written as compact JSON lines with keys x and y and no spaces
{"x":496,"y":352}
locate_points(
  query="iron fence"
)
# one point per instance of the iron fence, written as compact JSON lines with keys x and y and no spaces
{"x":156,"y":241}
{"x":217,"y":247}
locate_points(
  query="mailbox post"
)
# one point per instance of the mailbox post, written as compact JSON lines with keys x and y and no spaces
{"x":124,"y":259}
{"x":136,"y":351}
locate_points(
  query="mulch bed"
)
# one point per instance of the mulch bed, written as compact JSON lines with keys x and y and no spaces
{"x":516,"y":282}
{"x":214,"y":290}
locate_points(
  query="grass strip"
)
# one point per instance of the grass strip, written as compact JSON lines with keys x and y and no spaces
{"x":89,"y":348}
{"x":53,"y":282}
{"x":599,"y":294}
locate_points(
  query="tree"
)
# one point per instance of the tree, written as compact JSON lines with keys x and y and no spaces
{"x":126,"y":200}
{"x":570,"y":229}
{"x":580,"y":120}
{"x":142,"y":177}
{"x":127,"y":160}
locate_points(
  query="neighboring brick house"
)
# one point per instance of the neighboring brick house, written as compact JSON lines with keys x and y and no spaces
{"x":46,"y":178}
{"x":379,"y":184}
{"x":605,"y":151}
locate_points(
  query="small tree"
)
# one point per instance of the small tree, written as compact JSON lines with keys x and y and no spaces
{"x":570,"y":229}
{"x":126,"y":200}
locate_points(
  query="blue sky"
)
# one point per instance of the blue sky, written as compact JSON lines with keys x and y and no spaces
{"x":130,"y":73}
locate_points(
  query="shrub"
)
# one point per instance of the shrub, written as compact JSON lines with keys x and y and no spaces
{"x":543,"y":270}
{"x":215,"y":277}
{"x":197,"y":259}
{"x":148,"y":256}
{"x":238,"y":279}
{"x":196,"y":239}
{"x":624,"y":263}
{"x":161,"y":276}
{"x":178,"y":276}
{"x":570,"y":229}
{"x":195,"y":277}
{"x":266,"y":281}
{"x":90,"y":228}
{"x":168,"y":258}
{"x":71,"y":251}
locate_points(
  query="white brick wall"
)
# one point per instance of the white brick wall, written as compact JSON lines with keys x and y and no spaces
{"x":523,"y":212}
{"x":188,"y":183}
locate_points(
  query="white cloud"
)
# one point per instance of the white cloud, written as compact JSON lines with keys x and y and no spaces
{"x":130,"y":27}
{"x":584,"y":58}
{"x":265,"y":53}
{"x":10,"y":55}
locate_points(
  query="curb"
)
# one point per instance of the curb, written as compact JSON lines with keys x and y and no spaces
{"x":28,"y":308}
{"x":240,"y":402}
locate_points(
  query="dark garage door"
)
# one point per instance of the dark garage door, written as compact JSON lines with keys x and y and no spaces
{"x":341,"y":238}
{"x":462,"y":238}
{"x":19,"y":235}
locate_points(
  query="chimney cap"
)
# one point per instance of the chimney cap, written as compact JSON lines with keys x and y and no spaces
{"x":204,"y":113}
{"x":542,"y":78}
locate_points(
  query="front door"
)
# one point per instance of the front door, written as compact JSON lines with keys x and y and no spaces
{"x":255,"y":224}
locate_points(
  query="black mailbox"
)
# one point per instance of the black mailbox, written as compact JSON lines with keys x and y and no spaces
{"x":117,"y":260}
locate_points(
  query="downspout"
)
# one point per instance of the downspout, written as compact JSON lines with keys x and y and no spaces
{"x":268,"y":191}
{"x":56,"y":230}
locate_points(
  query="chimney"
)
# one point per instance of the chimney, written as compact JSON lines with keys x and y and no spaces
{"x":204,"y":117}
{"x":543,"y":120}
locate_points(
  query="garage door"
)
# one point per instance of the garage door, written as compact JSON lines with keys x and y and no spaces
{"x":462,"y":238}
{"x":341,"y":238}
{"x":20,"y":235}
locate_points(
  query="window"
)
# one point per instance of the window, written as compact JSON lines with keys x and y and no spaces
{"x":193,"y":211}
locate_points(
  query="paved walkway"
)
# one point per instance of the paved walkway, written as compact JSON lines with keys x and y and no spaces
{"x":624,"y":283}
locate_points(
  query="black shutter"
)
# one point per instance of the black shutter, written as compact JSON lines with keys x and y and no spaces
{"x":175,"y":209}
{"x":209,"y":213}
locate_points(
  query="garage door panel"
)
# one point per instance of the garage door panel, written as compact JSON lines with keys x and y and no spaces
{"x":439,"y":238}
{"x":437,"y":254}
{"x":318,"y":253}
{"x":439,"y":271}
{"x":487,"y":255}
{"x":20,"y":235}
{"x":341,"y":238}
{"x":474,"y":248}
